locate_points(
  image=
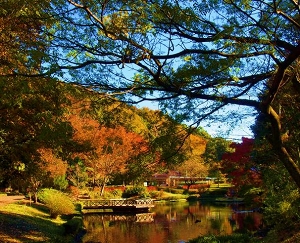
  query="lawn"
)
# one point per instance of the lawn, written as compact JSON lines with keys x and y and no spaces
{"x":25,"y":222}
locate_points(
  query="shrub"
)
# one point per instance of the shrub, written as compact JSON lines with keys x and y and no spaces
{"x":234,"y":238}
{"x":116,"y":193}
{"x":135,"y":192}
{"x":57,"y":202}
{"x":73,"y":226}
{"x":60,"y":182}
{"x":155,"y":194}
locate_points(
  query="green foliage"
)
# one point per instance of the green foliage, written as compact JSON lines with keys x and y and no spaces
{"x":57,"y":202}
{"x":137,"y":191}
{"x":174,"y":190}
{"x":60,"y":182}
{"x":116,"y":193}
{"x":281,"y":195}
{"x":215,"y":148}
{"x":73,"y":226}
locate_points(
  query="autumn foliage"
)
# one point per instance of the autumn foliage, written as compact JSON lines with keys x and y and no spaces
{"x":238,"y":165}
{"x":108,"y":150}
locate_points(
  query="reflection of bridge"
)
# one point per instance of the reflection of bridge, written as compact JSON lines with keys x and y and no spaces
{"x":118,"y":205}
{"x":139,"y":218}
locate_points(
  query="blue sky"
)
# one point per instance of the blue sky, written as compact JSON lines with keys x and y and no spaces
{"x":231,"y":131}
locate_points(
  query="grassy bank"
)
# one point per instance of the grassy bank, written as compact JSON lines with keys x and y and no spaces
{"x":25,"y":222}
{"x":234,"y":238}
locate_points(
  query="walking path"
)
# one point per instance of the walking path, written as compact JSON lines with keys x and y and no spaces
{"x":4,"y":199}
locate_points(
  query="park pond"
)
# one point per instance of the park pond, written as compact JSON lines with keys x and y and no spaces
{"x":170,"y":222}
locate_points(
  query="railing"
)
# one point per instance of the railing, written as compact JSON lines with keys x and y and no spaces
{"x":140,"y":217}
{"x":113,"y":203}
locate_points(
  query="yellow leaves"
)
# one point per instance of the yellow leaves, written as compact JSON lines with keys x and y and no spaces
{"x":123,"y":23}
{"x":284,"y":206}
{"x":235,"y":78}
{"x":197,"y":145}
{"x":187,"y":58}
{"x":118,"y":24}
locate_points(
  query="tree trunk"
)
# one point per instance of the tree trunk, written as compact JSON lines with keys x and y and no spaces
{"x":102,"y":189}
{"x":35,"y":197}
{"x":279,"y":148}
{"x":103,"y":186}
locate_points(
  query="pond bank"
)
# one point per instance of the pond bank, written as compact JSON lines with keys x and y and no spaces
{"x":23,"y":221}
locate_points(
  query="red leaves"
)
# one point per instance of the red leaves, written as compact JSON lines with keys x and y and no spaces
{"x":239,"y":166}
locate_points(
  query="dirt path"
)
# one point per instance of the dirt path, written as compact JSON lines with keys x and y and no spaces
{"x":4,"y":199}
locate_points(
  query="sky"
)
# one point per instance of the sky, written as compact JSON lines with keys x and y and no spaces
{"x":233,"y":132}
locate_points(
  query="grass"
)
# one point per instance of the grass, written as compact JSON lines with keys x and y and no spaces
{"x":171,"y":196}
{"x":234,"y":238}
{"x":20,"y":222}
{"x":177,"y":194}
{"x":215,"y":191}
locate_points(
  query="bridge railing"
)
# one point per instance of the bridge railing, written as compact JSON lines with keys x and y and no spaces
{"x":106,"y":203}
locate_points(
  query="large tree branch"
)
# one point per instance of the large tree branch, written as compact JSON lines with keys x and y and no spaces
{"x":278,"y":146}
{"x":279,"y":76}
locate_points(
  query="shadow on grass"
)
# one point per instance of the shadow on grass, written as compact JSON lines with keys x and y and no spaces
{"x":22,"y":228}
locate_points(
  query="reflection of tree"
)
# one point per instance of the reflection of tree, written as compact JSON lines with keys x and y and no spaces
{"x":247,"y":221}
{"x":191,"y":217}
{"x":171,"y":222}
{"x":216,"y":224}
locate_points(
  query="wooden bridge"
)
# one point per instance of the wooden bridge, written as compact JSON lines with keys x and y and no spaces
{"x":138,"y":218}
{"x":118,"y":205}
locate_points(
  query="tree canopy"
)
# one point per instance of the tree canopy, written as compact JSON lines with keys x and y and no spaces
{"x":195,"y":57}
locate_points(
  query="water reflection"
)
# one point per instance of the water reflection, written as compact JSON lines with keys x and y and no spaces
{"x":168,"y":223}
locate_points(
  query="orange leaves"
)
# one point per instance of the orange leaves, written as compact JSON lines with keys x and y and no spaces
{"x":51,"y":163}
{"x":110,"y":149}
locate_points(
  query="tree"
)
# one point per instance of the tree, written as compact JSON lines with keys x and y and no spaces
{"x":281,"y":195}
{"x":240,"y":167}
{"x":22,"y":42}
{"x":214,"y":150}
{"x":195,"y":57}
{"x":193,"y":167}
{"x":30,"y":119}
{"x":108,"y":151}
{"x":114,"y":149}
{"x":166,"y":137}
{"x":30,"y":107}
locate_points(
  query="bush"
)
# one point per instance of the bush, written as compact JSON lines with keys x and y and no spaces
{"x":116,"y":193}
{"x":73,"y":226}
{"x":135,"y":192}
{"x":155,"y":194}
{"x":234,"y":238}
{"x":57,"y":202}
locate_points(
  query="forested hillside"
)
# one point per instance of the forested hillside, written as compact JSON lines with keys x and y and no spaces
{"x":59,"y":135}
{"x":70,"y":71}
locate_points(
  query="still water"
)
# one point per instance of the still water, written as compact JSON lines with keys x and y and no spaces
{"x":174,"y":222}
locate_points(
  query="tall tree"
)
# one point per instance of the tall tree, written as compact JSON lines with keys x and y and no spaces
{"x":30,"y":108}
{"x":108,"y":151}
{"x":214,"y":150}
{"x":193,"y":166}
{"x":195,"y":57}
{"x":240,"y":167}
{"x":281,"y":195}
{"x":22,"y":40}
{"x":114,"y":150}
{"x":30,"y":119}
